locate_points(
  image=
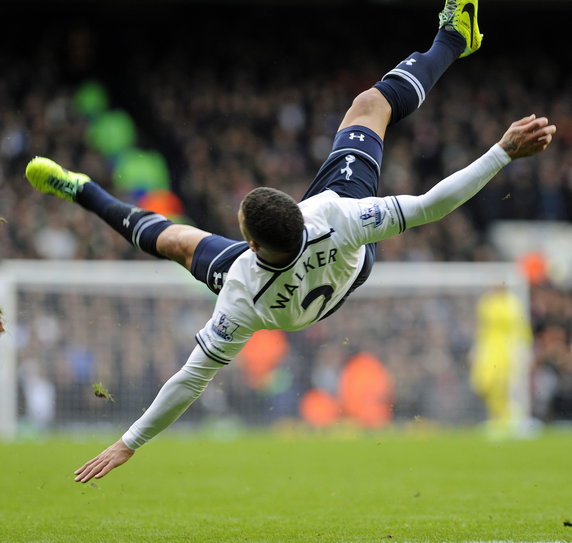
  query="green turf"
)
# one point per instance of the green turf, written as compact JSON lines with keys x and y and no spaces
{"x":398,"y":487}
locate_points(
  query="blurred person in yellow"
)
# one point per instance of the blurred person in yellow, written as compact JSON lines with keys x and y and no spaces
{"x":502,"y":351}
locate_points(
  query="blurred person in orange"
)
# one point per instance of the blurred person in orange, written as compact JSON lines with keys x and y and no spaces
{"x":264,"y":353}
{"x":366,"y":391}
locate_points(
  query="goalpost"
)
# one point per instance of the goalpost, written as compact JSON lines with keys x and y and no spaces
{"x":130,"y":325}
{"x":20,"y":279}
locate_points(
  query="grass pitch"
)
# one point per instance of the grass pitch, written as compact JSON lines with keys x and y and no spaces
{"x":275,"y":487}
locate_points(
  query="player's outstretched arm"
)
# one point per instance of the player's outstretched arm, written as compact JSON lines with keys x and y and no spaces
{"x":104,"y":462}
{"x":174,"y":398}
{"x":525,"y":137}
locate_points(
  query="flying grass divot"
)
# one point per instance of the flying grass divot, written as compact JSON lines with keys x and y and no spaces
{"x":101,"y":392}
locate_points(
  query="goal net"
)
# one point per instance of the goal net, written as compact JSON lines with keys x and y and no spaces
{"x":126,"y":327}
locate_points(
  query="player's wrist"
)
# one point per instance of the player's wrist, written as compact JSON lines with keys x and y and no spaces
{"x":129,"y":442}
{"x":501,"y":153}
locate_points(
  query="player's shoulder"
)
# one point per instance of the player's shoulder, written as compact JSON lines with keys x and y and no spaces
{"x":320,"y":212}
{"x":328,"y":206}
{"x":319,"y":199}
{"x":244,"y":280}
{"x":236,"y":297}
{"x":240,"y":273}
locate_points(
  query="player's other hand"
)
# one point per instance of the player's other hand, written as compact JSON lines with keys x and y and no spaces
{"x":104,"y":462}
{"x":527,"y":137}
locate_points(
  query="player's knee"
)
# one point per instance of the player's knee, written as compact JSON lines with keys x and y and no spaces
{"x":178,"y":242}
{"x":170,"y":243}
{"x":371,"y":103}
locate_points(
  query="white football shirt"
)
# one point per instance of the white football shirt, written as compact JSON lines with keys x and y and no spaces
{"x":257,"y":295}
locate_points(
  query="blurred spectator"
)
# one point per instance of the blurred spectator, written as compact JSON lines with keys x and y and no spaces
{"x":39,"y":395}
{"x":366,"y":391}
{"x":233,"y":106}
{"x":552,"y":373}
{"x":501,"y":353}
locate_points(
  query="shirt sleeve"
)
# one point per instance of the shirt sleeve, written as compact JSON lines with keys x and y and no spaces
{"x":225,"y":334}
{"x":374,"y":219}
{"x":453,"y":191}
{"x":174,"y":398}
{"x":231,"y":326}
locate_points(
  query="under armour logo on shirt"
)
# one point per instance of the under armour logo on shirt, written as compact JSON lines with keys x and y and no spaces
{"x":347,"y":170}
{"x":354,"y":136}
{"x":410,"y":61}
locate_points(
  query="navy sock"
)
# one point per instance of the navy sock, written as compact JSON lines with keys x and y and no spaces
{"x":138,"y":226}
{"x":406,"y":86}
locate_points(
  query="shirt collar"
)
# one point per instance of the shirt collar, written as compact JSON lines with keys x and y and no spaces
{"x":270,"y":267}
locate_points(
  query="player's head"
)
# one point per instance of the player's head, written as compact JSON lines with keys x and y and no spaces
{"x":271,"y":219}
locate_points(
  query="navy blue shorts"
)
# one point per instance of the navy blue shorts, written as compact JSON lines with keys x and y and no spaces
{"x":352,"y":171}
{"x":213,"y":258}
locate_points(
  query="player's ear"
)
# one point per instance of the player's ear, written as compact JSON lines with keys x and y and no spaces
{"x":253,"y":245}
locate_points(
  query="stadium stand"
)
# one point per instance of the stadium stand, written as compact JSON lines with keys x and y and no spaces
{"x":229,"y":109}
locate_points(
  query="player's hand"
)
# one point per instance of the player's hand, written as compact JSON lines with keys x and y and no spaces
{"x":104,"y":462}
{"x":527,"y":137}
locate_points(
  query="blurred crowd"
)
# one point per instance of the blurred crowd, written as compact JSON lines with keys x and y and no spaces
{"x":230,"y":114}
{"x":64,"y":344}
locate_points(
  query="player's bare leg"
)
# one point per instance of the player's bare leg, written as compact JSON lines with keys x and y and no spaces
{"x":146,"y":230}
{"x":178,"y":243}
{"x":370,"y":109}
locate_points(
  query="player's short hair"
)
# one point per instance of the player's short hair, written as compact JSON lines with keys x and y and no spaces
{"x":273,"y":219}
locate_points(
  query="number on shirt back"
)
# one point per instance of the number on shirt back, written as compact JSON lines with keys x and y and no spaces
{"x":325,"y":290}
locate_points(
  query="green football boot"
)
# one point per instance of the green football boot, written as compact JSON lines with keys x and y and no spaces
{"x":50,"y":178}
{"x":461,"y":15}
